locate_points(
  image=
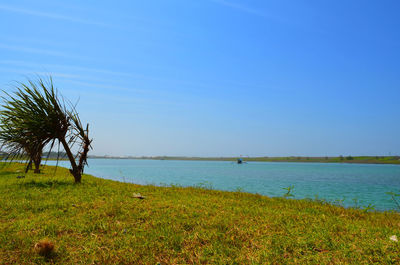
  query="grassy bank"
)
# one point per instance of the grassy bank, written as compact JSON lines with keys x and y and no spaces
{"x":102,"y":222}
{"x":330,"y":159}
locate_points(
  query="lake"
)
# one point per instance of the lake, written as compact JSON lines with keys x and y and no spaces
{"x":365,"y":183}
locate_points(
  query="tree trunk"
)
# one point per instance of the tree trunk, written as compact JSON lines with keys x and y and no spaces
{"x":77,"y":175}
{"x":29,"y":166}
{"x":37,"y":161}
{"x":75,"y":170}
{"x":86,"y":147}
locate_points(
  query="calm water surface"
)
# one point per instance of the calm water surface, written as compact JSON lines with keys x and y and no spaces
{"x":367,"y":184}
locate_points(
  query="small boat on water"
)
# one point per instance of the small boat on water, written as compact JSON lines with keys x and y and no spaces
{"x":240,"y":161}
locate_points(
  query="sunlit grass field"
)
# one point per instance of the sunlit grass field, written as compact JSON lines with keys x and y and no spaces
{"x":103,"y":222}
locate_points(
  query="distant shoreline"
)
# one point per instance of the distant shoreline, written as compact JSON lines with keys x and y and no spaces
{"x":394,"y":160}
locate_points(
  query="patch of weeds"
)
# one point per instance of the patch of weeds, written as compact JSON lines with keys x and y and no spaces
{"x":289,"y":191}
{"x":239,"y":189}
{"x":370,"y":207}
{"x":394,"y":196}
{"x":204,"y":185}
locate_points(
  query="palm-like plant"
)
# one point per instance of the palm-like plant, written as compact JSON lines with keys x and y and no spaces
{"x":18,"y":144}
{"x":41,"y":117}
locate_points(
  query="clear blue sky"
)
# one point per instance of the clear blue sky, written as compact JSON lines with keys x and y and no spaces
{"x":217,"y":77}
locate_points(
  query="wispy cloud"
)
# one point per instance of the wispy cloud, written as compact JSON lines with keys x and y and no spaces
{"x":51,"y":15}
{"x":43,"y":73}
{"x":109,"y":87}
{"x":38,"y":51}
{"x":31,"y":50}
{"x":103,"y":72}
{"x":67,"y":67}
{"x":38,"y":41}
{"x":80,"y":79}
{"x":104,"y":92}
{"x":88,"y":77}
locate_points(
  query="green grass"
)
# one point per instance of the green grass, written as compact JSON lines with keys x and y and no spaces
{"x":101,"y":222}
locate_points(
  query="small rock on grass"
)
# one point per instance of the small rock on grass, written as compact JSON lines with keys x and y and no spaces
{"x":44,"y":247}
{"x":138,"y":196}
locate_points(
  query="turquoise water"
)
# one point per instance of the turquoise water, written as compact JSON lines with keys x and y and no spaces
{"x":367,"y":184}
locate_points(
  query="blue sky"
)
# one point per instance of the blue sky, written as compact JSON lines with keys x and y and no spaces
{"x":217,"y":77}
